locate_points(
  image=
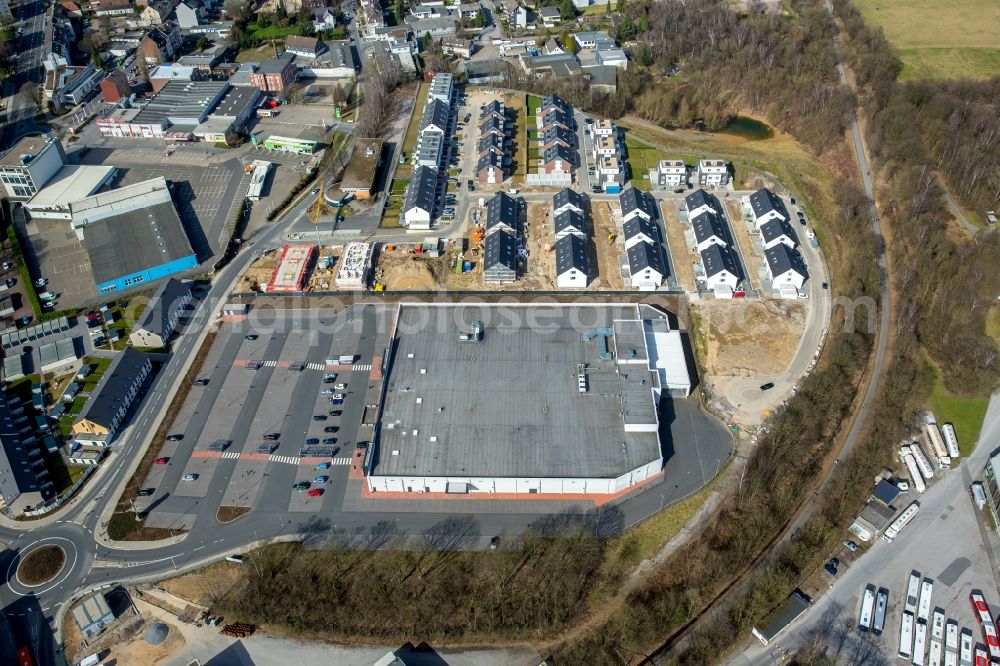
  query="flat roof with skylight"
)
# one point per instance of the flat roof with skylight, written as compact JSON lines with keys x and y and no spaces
{"x":522,"y":399}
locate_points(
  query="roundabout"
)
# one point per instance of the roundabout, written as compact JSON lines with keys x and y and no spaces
{"x":42,"y":566}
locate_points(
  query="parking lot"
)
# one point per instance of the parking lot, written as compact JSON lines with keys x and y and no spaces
{"x":253,"y":387}
{"x":949,"y":542}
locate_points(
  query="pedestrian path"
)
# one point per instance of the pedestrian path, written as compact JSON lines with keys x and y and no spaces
{"x":288,"y":460}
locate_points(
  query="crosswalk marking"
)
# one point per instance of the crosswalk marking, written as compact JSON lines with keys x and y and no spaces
{"x":362,"y":367}
{"x":270,"y":364}
{"x":285,"y":459}
{"x":341,"y":461}
{"x":316,"y":366}
{"x":230,"y":454}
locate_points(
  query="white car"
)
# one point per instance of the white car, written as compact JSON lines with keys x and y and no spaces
{"x":338,"y":396}
{"x":190,"y":477}
{"x":340,"y":387}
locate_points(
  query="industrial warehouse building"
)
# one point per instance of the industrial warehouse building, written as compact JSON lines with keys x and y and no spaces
{"x":525,"y":399}
{"x":132,"y":235}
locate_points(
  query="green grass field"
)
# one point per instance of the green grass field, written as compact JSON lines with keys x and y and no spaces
{"x":641,"y":158}
{"x":951,"y":40}
{"x":966,"y":414}
{"x":410,"y":139}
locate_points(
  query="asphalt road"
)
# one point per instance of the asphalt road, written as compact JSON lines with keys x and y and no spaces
{"x":20,"y":109}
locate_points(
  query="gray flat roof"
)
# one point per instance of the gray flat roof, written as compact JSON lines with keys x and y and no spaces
{"x":134,"y":241}
{"x":510,"y":405}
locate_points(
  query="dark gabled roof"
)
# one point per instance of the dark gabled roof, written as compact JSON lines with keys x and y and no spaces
{"x":708,"y":225}
{"x":165,"y":302}
{"x":638,"y":225}
{"x":501,"y":249}
{"x":571,"y":252}
{"x":645,"y":255}
{"x":490,"y":141}
{"x":632,"y":199}
{"x":567,"y":196}
{"x":421,"y":190}
{"x":494,"y":107}
{"x":557,"y":133}
{"x":490,"y":159}
{"x":435,"y":113}
{"x":700,"y":198}
{"x":110,"y":394}
{"x":781,"y":259}
{"x":492,"y":123}
{"x":775,"y":228}
{"x":502,"y":209}
{"x":556,"y":117}
{"x":718,"y":258}
{"x":556,"y":101}
{"x":558,"y":151}
{"x":570,"y":220}
{"x":763,"y":201}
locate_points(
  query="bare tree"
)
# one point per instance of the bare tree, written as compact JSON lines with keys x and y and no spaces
{"x":33,"y":92}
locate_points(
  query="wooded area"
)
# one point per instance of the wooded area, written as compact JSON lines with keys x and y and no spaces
{"x":946,"y":281}
{"x":439,"y":589}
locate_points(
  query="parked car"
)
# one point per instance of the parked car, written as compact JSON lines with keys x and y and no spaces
{"x":190,"y":477}
{"x":767,"y":387}
{"x":161,"y":461}
{"x":335,"y":412}
{"x":175,"y":437}
{"x":272,"y":436}
{"x":301,"y":485}
{"x":315,"y":492}
{"x":330,"y":429}
{"x":250,"y":338}
{"x":341,"y":386}
{"x":312,"y":440}
{"x":329,"y":441}
{"x":319,"y":417}
{"x":146,"y":492}
{"x":328,"y":391}
{"x":851,"y":546}
{"x":321,"y":479}
{"x":338,"y":396}
{"x":202,"y":381}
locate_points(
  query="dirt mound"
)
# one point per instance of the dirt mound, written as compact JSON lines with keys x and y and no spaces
{"x":411,"y":272}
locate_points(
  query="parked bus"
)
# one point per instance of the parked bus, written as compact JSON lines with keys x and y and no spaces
{"x":867,"y":609}
{"x":937,"y":624}
{"x":919,"y":642}
{"x":935,"y":653}
{"x":980,"y":608}
{"x":924,"y":609}
{"x":950,"y":440}
{"x":906,"y":635}
{"x":881,"y":604}
{"x":912,"y":592}
{"x":965,"y":649}
{"x":992,"y":641}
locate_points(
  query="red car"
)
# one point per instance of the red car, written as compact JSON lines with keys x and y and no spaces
{"x":161,"y":461}
{"x":315,"y":492}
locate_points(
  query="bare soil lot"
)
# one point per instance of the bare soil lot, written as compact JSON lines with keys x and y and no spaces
{"x":748,"y":338}
{"x":684,"y":256}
